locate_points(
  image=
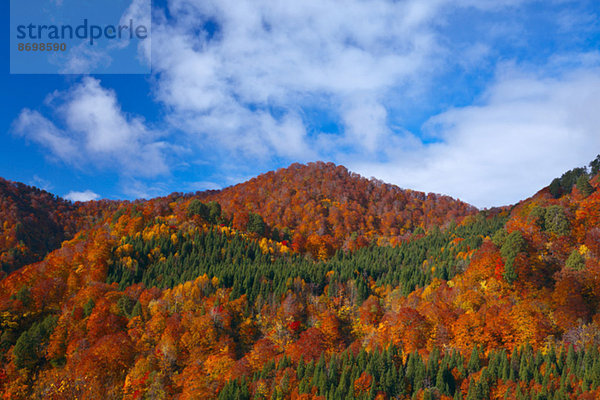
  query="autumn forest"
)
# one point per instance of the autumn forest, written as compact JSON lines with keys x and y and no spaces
{"x":309,"y":282}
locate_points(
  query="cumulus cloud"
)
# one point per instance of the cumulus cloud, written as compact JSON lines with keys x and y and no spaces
{"x":96,"y":132}
{"x":524,"y":131}
{"x":237,"y":73}
{"x":87,"y":195}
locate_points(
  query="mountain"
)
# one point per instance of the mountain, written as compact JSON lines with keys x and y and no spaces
{"x":309,"y":282}
{"x":331,"y":204}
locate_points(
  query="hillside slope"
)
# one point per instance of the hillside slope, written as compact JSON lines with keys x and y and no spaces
{"x":203,"y":296}
{"x":34,"y":222}
{"x":336,"y":205}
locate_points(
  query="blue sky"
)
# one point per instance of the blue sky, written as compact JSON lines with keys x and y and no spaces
{"x":483,"y":100}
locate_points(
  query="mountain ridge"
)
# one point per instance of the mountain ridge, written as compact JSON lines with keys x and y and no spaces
{"x":350,"y":190}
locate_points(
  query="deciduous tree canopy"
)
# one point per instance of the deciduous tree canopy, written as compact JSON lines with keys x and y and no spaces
{"x":304,"y":283}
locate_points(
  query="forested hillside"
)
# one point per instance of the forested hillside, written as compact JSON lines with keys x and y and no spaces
{"x":34,"y":222}
{"x":329,"y":207}
{"x":310,"y":282}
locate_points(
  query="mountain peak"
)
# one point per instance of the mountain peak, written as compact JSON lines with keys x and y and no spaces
{"x":325,"y":199}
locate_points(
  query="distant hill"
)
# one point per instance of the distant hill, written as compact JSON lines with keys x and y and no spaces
{"x":34,"y":222}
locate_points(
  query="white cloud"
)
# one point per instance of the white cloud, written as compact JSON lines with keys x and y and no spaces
{"x":366,"y":124}
{"x":239,"y":88}
{"x":525,"y":131}
{"x":36,"y":127}
{"x":243,"y":89}
{"x":96,"y":132}
{"x":87,"y":195}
